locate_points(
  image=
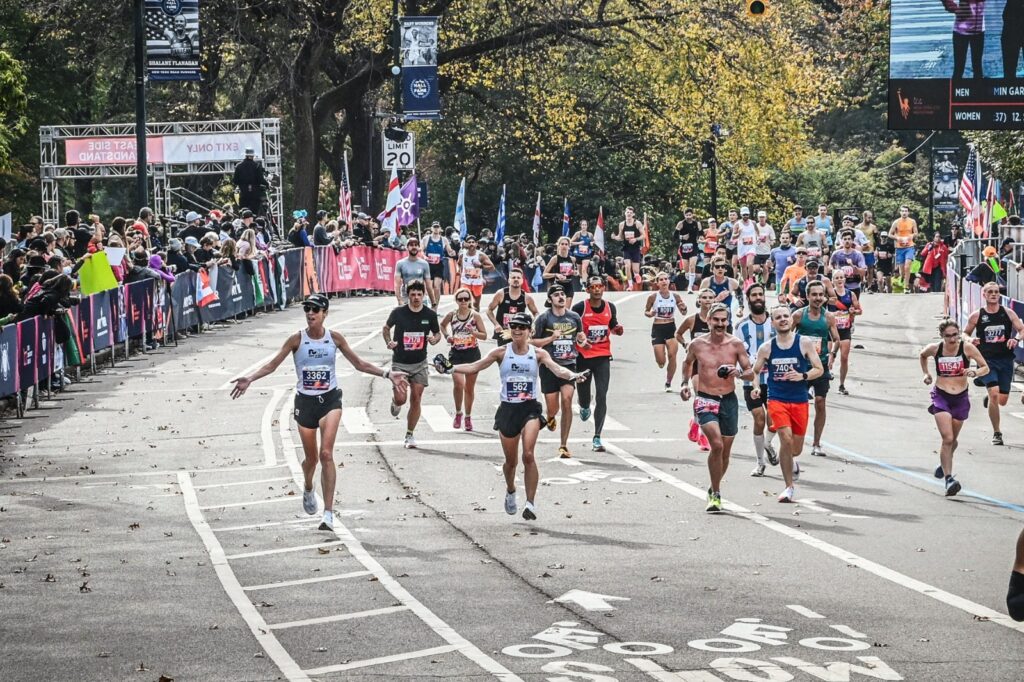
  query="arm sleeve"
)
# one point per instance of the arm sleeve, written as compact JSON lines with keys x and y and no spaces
{"x":579,"y":309}
{"x":615,"y":319}
{"x":435,"y":325}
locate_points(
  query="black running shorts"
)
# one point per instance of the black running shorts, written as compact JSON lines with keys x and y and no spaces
{"x":310,"y":409}
{"x":511,"y":418}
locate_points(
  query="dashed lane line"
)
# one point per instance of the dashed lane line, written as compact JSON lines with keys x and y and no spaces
{"x":211,"y":486}
{"x":282,"y":550}
{"x":437,"y":650}
{"x":341,"y":616}
{"x":872,"y":567}
{"x":252,"y":503}
{"x":306,"y":581}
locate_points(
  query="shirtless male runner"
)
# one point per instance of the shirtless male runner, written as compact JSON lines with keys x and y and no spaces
{"x":717,"y":356}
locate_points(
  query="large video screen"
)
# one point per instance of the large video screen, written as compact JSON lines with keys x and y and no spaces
{"x":956,"y":65}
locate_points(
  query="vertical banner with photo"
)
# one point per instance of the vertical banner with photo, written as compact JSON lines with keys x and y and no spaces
{"x":28,"y":338}
{"x":946,"y":178}
{"x":172,"y":40}
{"x":9,"y":360}
{"x":420,"y":96}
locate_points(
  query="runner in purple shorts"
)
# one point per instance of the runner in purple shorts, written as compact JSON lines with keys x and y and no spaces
{"x":950,"y":401}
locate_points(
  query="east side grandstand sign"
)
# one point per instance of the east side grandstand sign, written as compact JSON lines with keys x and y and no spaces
{"x":168,"y":149}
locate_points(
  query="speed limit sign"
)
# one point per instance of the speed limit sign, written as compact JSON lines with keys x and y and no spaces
{"x":399,"y":154}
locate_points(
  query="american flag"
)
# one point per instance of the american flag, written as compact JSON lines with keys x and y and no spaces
{"x":990,"y":205}
{"x":345,"y":196}
{"x":970,"y":197}
{"x":565,"y":218}
{"x":158,"y":21}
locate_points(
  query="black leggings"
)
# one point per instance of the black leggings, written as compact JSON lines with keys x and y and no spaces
{"x":1013,"y":43}
{"x":1015,"y":596}
{"x":600,"y":373}
{"x":960,"y":44}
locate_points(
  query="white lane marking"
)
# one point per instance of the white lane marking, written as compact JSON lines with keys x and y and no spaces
{"x":473,"y":441}
{"x":259,"y":628}
{"x":386,"y":659}
{"x":356,"y":420}
{"x":228,"y":505}
{"x":804,"y":611}
{"x":609,"y":423}
{"x":435,"y":623}
{"x":209,"y":486}
{"x":848,"y":631}
{"x":269,"y":455}
{"x":438,"y":419}
{"x":130,"y":474}
{"x":307,"y":581}
{"x":121,"y":390}
{"x":591,"y":601}
{"x":872,"y":567}
{"x":334,"y":619}
{"x":312,"y":521}
{"x":283,"y":550}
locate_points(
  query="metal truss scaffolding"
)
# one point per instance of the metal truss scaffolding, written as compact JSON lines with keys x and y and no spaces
{"x":52,"y":171}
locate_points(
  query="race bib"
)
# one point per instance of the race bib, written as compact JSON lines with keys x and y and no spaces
{"x":414,"y":340}
{"x":472,"y":273}
{"x":702,"y":405}
{"x":687,"y":248}
{"x":951,"y":367}
{"x":597,"y":333}
{"x":710,"y":246}
{"x":563,"y":349}
{"x":996,"y":334}
{"x":583,"y":249}
{"x":843,"y":320}
{"x":664,"y":312}
{"x":781,"y":367}
{"x":316,"y":378}
{"x":519,"y":389}
{"x":903,"y":242}
{"x":813,"y":252}
{"x":433,"y":258}
{"x":565,"y":269}
{"x":748,"y":241}
{"x":462,"y":341}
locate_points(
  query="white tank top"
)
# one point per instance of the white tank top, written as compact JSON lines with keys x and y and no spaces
{"x":748,"y":236}
{"x":518,"y":376}
{"x":462,"y":333}
{"x":315,"y":364}
{"x":472,"y":272}
{"x":664,"y":308}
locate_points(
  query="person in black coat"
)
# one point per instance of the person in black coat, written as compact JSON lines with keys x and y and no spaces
{"x":250,"y":181}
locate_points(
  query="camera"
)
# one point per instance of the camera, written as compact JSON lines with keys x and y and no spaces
{"x":723,"y":371}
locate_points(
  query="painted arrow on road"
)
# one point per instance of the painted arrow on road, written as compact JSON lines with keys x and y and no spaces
{"x":591,"y":601}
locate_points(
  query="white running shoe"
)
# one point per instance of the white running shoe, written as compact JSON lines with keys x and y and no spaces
{"x":787,"y":495}
{"x":328,"y":521}
{"x":758,"y":470}
{"x":309,"y":502}
{"x":817,"y":451}
{"x":530,"y":513}
{"x":410,"y":442}
{"x":510,"y":503}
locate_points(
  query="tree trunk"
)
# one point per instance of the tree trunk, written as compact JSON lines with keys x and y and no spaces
{"x":361,"y":165}
{"x":307,"y":162}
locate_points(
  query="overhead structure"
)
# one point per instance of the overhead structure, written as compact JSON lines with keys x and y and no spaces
{"x":107,"y":150}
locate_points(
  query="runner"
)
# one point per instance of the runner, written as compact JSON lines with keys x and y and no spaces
{"x":519,"y":415}
{"x":712,"y":239}
{"x":870,"y":231}
{"x":662,"y":306}
{"x":792,"y":366}
{"x":599,"y":321}
{"x":793,"y":274}
{"x":632,"y":234}
{"x":823,"y":222}
{"x":414,"y":327}
{"x":561,"y":269}
{"x":799,"y":297}
{"x":813,"y":240}
{"x":723,"y":287}
{"x":745,"y":233}
{"x":410,"y":268}
{"x":763,"y":248}
{"x":437,"y":250}
{"x":463,"y":328}
{"x":849,"y":260}
{"x":754,"y":330}
{"x":1015,"y":595}
{"x":903,"y":232}
{"x":845,"y":308}
{"x":317,"y":397}
{"x":721,"y":254}
{"x":562,"y":329}
{"x":819,"y":324}
{"x":797,"y":224}
{"x":506,"y":303}
{"x":729,"y":238}
{"x":697,"y":326}
{"x":471,"y":264}
{"x":687,"y":235}
{"x":715,"y":357}
{"x":582,"y":244}
{"x":885,"y":254}
{"x":995,"y":327}
{"x":951,"y":401}
{"x":782,"y":256}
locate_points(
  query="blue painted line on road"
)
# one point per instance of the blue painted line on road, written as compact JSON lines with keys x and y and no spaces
{"x":930,"y":480}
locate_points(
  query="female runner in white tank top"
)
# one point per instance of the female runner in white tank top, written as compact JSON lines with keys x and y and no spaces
{"x":519,"y":415}
{"x":317,"y":396}
{"x":661,"y":307}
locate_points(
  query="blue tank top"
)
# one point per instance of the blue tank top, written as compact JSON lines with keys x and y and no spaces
{"x":435,"y":250}
{"x":781,"y":361}
{"x":583,"y":249}
{"x":719,"y":288}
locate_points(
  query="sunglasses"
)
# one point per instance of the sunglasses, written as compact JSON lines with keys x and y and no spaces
{"x":597,"y":285}
{"x":462,"y":299}
{"x":519,"y":326}
{"x":311,"y":309}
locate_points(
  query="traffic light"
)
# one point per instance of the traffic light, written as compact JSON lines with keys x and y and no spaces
{"x":757,"y":8}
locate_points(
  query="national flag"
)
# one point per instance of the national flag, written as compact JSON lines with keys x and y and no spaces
{"x":565,"y":218}
{"x":599,"y":231}
{"x":409,"y":207}
{"x":205,"y":294}
{"x":460,"y":211}
{"x":990,"y":204}
{"x":970,"y":198}
{"x":345,"y":195}
{"x":389,"y":217}
{"x":536,"y":222}
{"x":499,"y":231}
{"x":647,"y":237}
{"x":1012,"y":203}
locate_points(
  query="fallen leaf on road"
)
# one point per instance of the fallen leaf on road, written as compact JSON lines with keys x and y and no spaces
{"x":142,"y":668}
{"x":103,"y":654}
{"x":164,"y":678}
{"x":49,"y":578}
{"x":84,"y":587}
{"x":323,"y":550}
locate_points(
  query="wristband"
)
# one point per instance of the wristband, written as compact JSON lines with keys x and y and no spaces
{"x":804,"y":375}
{"x":386,"y":374}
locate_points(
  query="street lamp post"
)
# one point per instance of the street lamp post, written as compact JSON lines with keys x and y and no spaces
{"x":141,"y":176}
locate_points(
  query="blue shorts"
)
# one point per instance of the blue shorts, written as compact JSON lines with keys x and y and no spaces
{"x":905,"y":255}
{"x":1000,"y":373}
{"x":869,"y":260}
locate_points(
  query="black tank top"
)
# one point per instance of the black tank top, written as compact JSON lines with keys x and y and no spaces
{"x":994,"y":330}
{"x":951,"y":365}
{"x":630,"y":231}
{"x":509,"y":306}
{"x":700,"y":327}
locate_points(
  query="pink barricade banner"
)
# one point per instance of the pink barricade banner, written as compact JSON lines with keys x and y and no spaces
{"x":358,"y":267}
{"x":384,"y":261}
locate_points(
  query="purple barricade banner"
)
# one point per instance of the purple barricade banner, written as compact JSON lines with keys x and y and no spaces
{"x":9,"y":360}
{"x":44,"y":346}
{"x":137,"y":298}
{"x":28,"y":338}
{"x":100,"y":311}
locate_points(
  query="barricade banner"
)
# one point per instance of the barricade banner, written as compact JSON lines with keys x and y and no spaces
{"x":384,"y":261}
{"x":355,"y":268}
{"x":156,"y":321}
{"x":45,"y":344}
{"x":952,"y":299}
{"x":228,"y":295}
{"x":327,"y":268}
{"x":183,"y":302}
{"x":138,"y":299}
{"x":102,"y":333}
{"x":119,"y":312}
{"x":28,"y":338}
{"x":85,"y":325}
{"x":9,"y":360}
{"x":292,"y":273}
{"x":310,"y":285}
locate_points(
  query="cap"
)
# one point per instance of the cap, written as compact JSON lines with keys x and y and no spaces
{"x":762,"y":214}
{"x":246,"y":214}
{"x":851,"y":218}
{"x":520,"y":319}
{"x":797,"y":207}
{"x":555,"y":289}
{"x":470,"y":238}
{"x":436,"y":223}
{"x":249,"y":151}
{"x":319,"y":300}
{"x":812,"y":263}
{"x":989,"y":252}
{"x":192,"y":216}
{"x":713,"y":220}
{"x":192,"y":241}
{"x":744,"y":211}
{"x":1008,"y":240}
{"x":216,"y":214}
